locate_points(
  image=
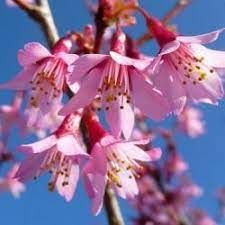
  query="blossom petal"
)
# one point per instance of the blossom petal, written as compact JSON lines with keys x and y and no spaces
{"x":68,"y":58}
{"x":201,"y":39}
{"x":32,"y":53}
{"x":134,"y":152}
{"x":21,"y":81}
{"x":120,"y":119}
{"x":129,"y":186}
{"x":155,"y":154}
{"x":208,"y":90}
{"x":212,"y":57}
{"x":67,"y":191}
{"x":140,"y":64}
{"x":167,"y":81}
{"x":148,"y":99}
{"x":39,"y":146}
{"x":99,"y":184}
{"x":68,"y":145}
{"x":30,"y":166}
{"x":86,"y":93}
{"x":169,"y":47}
{"x":84,"y":64}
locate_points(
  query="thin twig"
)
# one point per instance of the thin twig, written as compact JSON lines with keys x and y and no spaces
{"x":112,"y":208}
{"x":41,"y":13}
{"x":177,"y":9}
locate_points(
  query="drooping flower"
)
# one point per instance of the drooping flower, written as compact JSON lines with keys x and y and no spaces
{"x":12,"y":184}
{"x":44,"y":75}
{"x":113,"y":162}
{"x":190,"y":122}
{"x":184,"y":69}
{"x":60,"y":154}
{"x":10,"y":116}
{"x":118,"y":84}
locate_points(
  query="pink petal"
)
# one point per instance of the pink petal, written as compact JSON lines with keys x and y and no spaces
{"x":155,"y":154}
{"x":86,"y":93}
{"x":30,"y":166}
{"x":21,"y":81}
{"x":67,"y":58}
{"x":16,"y":187}
{"x":39,"y":146}
{"x":140,"y":64}
{"x":143,"y":141}
{"x":129,"y":186}
{"x":148,"y":99}
{"x":120,"y":119}
{"x":84,"y":64}
{"x":67,"y":191}
{"x":169,"y":47}
{"x":212,"y":57}
{"x":208,"y":90}
{"x":134,"y":152}
{"x":32,"y":53}
{"x":167,"y":81}
{"x":98,"y":159}
{"x":201,"y":39}
{"x":99,"y":184}
{"x":68,"y":145}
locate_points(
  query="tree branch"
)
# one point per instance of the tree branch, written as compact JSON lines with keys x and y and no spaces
{"x":41,"y":13}
{"x":112,"y":208}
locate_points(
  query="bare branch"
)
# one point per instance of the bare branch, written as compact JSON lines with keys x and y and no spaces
{"x":112,"y":208}
{"x":177,"y":9}
{"x":42,"y":14}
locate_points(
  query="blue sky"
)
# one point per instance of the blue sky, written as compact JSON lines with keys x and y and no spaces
{"x":205,"y":155}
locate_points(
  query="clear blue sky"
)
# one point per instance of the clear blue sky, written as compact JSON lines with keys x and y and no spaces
{"x":205,"y":155}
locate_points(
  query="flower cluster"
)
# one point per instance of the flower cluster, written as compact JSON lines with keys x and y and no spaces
{"x":66,"y":89}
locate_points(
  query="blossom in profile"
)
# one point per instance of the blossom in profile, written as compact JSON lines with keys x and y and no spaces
{"x":118,"y":84}
{"x":12,"y":184}
{"x":115,"y":163}
{"x":184,"y":70}
{"x":44,"y":76}
{"x":190,"y":122}
{"x":60,"y":154}
{"x":11,"y":116}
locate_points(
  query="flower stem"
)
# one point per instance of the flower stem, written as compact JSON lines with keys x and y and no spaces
{"x":112,"y":208}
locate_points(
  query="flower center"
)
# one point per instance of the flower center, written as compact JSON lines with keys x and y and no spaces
{"x":114,"y":86}
{"x":191,"y":67}
{"x":120,"y":165}
{"x":47,"y":83}
{"x":58,"y":165}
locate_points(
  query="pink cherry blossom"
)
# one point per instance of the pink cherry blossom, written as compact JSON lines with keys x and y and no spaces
{"x":11,"y":184}
{"x":119,"y":85}
{"x":190,"y":122}
{"x":184,"y":69}
{"x":174,"y":165}
{"x":199,"y":217}
{"x":113,"y":162}
{"x":44,"y":75}
{"x":60,"y":154}
{"x":10,"y":115}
